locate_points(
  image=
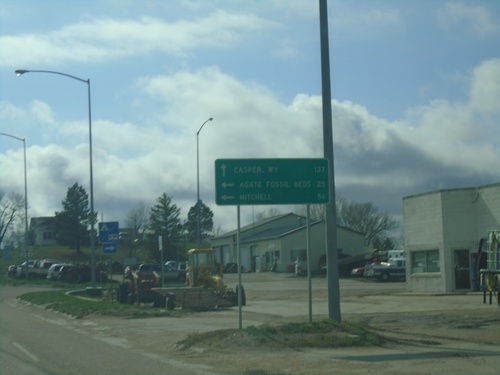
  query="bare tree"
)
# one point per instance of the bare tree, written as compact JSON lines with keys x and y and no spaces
{"x":271,"y":212}
{"x":316,"y":211}
{"x":10,"y":211}
{"x":365,"y":218}
{"x":137,"y":220}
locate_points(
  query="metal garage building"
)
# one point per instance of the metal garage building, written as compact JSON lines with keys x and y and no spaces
{"x":280,"y":240}
{"x":442,"y":232}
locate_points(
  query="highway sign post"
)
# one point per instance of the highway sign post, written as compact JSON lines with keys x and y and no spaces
{"x":271,"y":181}
{"x":109,"y":248}
{"x":109,"y":234}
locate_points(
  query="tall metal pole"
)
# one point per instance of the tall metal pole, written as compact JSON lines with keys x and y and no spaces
{"x":25,"y":198}
{"x":331,"y":215}
{"x":198,"y":213}
{"x":92,"y":215}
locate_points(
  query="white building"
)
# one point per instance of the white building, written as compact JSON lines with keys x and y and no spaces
{"x":442,"y":232}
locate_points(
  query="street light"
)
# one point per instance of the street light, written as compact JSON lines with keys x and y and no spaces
{"x":92,"y":239}
{"x":25,"y":198}
{"x":198,"y":225}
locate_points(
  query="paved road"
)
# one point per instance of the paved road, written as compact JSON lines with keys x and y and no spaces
{"x":39,"y":342}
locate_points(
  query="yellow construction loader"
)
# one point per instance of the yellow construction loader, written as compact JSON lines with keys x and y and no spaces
{"x":204,"y":288}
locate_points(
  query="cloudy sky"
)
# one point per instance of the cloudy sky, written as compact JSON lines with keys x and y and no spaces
{"x":415,"y":97}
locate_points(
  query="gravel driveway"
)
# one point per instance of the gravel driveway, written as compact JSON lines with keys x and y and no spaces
{"x":427,"y":334}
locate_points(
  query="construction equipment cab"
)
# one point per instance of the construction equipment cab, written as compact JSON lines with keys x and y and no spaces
{"x":202,"y":269}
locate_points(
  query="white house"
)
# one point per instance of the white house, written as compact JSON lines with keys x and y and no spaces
{"x":43,"y":231}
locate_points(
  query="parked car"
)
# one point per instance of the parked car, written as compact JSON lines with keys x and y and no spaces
{"x":357,"y":272}
{"x":171,"y":265}
{"x":12,"y":270}
{"x":24,"y":267}
{"x":148,"y":268}
{"x":80,"y":273}
{"x":385,"y":271}
{"x":169,"y":273}
{"x":54,"y":270}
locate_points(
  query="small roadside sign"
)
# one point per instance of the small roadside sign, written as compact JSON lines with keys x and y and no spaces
{"x":7,"y":252}
{"x":109,"y":232}
{"x":109,"y":248}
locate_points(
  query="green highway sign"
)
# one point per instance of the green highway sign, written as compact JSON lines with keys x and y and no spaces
{"x":271,"y":181}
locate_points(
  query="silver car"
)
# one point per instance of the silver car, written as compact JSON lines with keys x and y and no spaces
{"x":54,"y":270}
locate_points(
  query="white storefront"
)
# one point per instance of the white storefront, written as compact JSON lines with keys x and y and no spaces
{"x":442,"y":232}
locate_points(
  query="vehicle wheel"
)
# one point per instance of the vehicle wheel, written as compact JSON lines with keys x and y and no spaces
{"x":170,"y":302}
{"x":122,"y":293}
{"x":385,"y":276}
{"x":131,"y":298}
{"x":243,"y":296}
{"x":73,"y":277}
{"x":159,"y":301}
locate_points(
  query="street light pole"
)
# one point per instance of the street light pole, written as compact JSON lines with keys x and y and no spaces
{"x":92,"y":218}
{"x":25,"y":198}
{"x":198,"y":219}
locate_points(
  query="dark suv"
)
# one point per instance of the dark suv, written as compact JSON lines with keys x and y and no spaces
{"x":148,"y":268}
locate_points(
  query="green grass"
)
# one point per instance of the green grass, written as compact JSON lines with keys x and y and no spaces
{"x":80,"y":306}
{"x":322,"y":334}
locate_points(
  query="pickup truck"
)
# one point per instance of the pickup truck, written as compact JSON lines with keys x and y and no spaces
{"x":35,"y":269}
{"x":171,"y":272}
{"x":395,"y":269}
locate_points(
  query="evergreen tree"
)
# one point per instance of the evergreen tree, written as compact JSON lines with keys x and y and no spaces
{"x":164,"y":221}
{"x":206,"y":222}
{"x":71,"y":224}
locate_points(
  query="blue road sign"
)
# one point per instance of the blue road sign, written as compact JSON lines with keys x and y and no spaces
{"x":109,"y":232}
{"x":109,"y":248}
{"x":7,"y":252}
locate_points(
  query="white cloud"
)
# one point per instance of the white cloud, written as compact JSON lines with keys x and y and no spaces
{"x":376,"y":159}
{"x":105,"y":39}
{"x":485,"y":91}
{"x":476,"y":18}
{"x":365,"y":20}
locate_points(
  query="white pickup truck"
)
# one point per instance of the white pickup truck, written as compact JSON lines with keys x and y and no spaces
{"x":36,"y":269}
{"x":394,"y":269}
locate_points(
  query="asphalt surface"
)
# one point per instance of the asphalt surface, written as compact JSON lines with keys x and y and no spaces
{"x":443,"y":333}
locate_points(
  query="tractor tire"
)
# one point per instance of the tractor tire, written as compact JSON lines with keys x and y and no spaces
{"x":243,"y":296}
{"x":131,"y":298}
{"x":122,"y":293}
{"x":170,"y":302}
{"x":159,"y":301}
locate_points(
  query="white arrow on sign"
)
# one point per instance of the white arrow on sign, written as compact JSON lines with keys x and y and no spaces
{"x":227,"y":197}
{"x":226,"y":184}
{"x":223,"y":167}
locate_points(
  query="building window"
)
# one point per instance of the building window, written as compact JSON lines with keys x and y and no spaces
{"x":425,"y":261}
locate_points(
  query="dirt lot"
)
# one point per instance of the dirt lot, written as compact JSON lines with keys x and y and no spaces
{"x":426,"y":334}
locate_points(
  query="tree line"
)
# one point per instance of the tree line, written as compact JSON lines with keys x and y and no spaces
{"x":146,"y":224}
